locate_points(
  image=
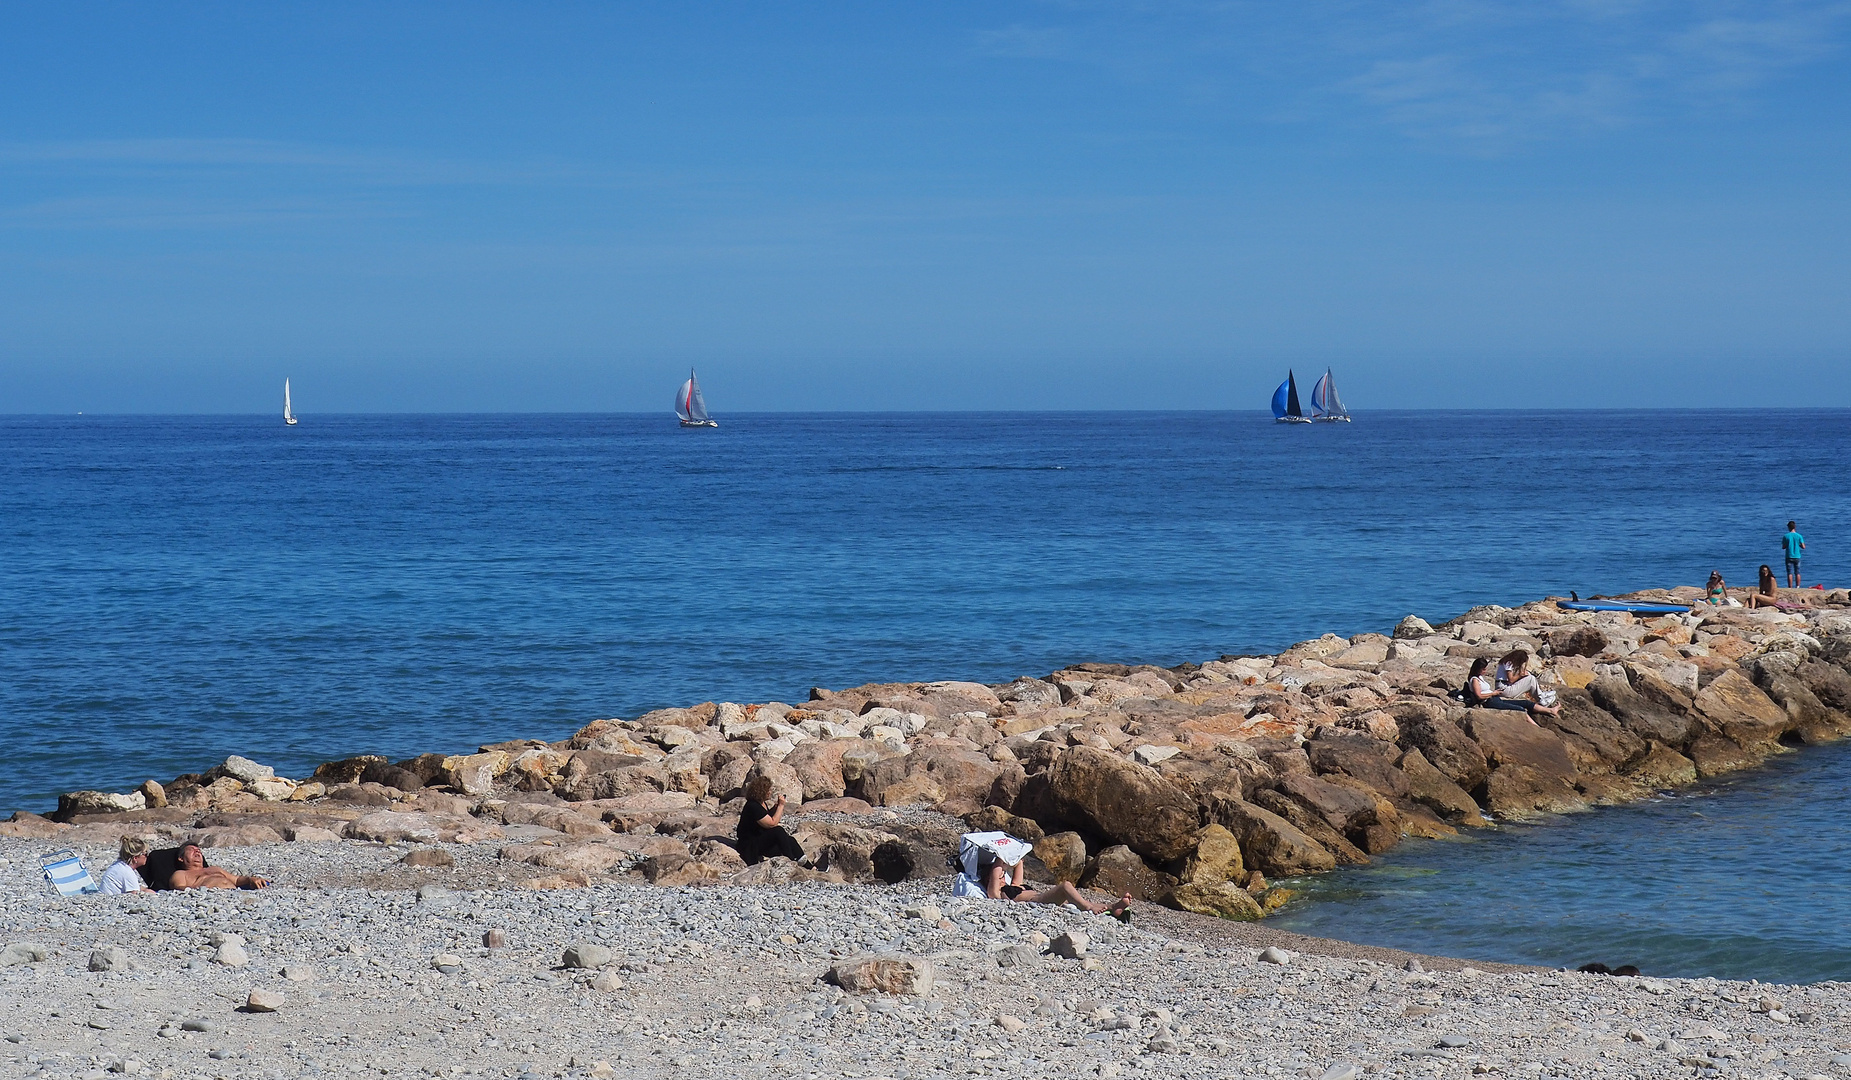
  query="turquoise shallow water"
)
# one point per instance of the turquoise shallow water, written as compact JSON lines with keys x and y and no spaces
{"x":1743,"y":877}
{"x":174,"y":589}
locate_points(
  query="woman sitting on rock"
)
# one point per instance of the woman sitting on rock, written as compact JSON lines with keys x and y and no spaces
{"x":1716,"y":591}
{"x":1481,"y":691}
{"x":1767,"y":594}
{"x":1515,"y":683}
{"x":185,"y":867}
{"x":761,"y":832}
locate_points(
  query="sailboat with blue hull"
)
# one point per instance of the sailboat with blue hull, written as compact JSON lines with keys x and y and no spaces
{"x":1286,"y":409}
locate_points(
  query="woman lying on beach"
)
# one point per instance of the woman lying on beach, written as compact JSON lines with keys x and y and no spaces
{"x":986,"y":869}
{"x":1767,"y":594}
{"x":185,"y":867}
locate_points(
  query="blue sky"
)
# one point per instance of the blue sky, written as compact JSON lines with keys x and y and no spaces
{"x":464,"y":207}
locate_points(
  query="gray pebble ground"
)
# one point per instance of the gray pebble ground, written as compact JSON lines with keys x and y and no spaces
{"x":728,"y":982}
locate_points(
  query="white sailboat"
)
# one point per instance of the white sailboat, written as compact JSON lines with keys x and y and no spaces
{"x":690,"y":407}
{"x":288,"y":417}
{"x":1326,"y":406}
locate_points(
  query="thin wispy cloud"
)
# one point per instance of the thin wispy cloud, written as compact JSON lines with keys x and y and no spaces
{"x":1475,"y":71}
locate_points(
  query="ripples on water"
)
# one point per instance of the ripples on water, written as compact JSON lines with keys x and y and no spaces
{"x":1743,"y":877}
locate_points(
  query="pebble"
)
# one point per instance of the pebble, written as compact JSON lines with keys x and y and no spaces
{"x":207,"y":1027}
{"x":1011,"y":1024}
{"x":299,"y":972}
{"x":448,"y":963}
{"x":495,"y":939}
{"x":110,"y":958}
{"x":586,"y":954}
{"x":1070,"y":945}
{"x":231,"y":953}
{"x":1272,"y":954}
{"x":1343,"y":1070}
{"x":261,"y":1000}
{"x":608,"y":982}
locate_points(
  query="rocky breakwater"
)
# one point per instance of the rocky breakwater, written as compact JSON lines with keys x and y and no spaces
{"x":1197,"y":786}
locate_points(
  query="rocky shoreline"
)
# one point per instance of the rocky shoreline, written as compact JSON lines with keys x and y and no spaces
{"x":1200,"y":787}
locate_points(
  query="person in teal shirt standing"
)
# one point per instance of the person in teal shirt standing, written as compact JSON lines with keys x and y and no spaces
{"x":1796,"y":545}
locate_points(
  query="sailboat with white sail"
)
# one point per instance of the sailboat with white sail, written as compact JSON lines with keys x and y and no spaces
{"x":288,"y":417}
{"x":1286,"y":409}
{"x":1326,"y":406}
{"x":690,"y":407}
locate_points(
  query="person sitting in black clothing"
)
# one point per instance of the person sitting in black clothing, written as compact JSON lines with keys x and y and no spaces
{"x":761,"y":836}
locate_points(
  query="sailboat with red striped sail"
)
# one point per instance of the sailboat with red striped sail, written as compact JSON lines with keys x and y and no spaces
{"x":1326,"y":406}
{"x":691,"y":407}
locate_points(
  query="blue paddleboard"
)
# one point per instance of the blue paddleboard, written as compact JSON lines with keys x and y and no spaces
{"x":1620,"y":605}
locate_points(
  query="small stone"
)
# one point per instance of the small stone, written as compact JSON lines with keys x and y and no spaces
{"x":231,"y":953}
{"x":1070,"y":945}
{"x":924,"y":911}
{"x":885,"y":974}
{"x":495,"y":939}
{"x":23,"y":952}
{"x":1637,"y":1036}
{"x":602,"y":1070}
{"x":1454,"y":1042}
{"x":209,"y":1027}
{"x":448,"y":963}
{"x":1272,"y":954}
{"x":1413,"y":965}
{"x":1011,"y":1024}
{"x":246,"y":770}
{"x":1777,"y":1016}
{"x":127,"y":1067}
{"x":1091,"y":963}
{"x":752,"y":1004}
{"x":110,"y":958}
{"x":1671,"y":1046}
{"x":1017,"y":956}
{"x":586,"y":954}
{"x":608,"y":982}
{"x":264,"y":1001}
{"x":221,"y":1055}
{"x":299,"y":972}
{"x":100,"y":1025}
{"x":1342,"y":1070}
{"x":435,"y":895}
{"x":429,"y":857}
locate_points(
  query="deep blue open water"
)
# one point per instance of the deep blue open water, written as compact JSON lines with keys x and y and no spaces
{"x":173,"y":589}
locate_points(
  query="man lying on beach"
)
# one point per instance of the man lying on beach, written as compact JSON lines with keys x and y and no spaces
{"x":185,"y":867}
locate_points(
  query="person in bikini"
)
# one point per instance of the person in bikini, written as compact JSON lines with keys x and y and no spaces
{"x":1001,"y":882}
{"x":1767,"y":594}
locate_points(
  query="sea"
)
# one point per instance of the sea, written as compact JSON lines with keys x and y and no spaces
{"x":174,"y":589}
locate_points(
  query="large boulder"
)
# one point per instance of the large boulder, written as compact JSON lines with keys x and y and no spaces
{"x":1064,"y":854}
{"x":1222,"y":899}
{"x":1343,"y":809}
{"x":956,"y":781}
{"x":1715,"y":755}
{"x":1433,"y":789}
{"x":1363,"y":757}
{"x":1428,"y":727}
{"x":1216,"y":857}
{"x":1521,"y":791}
{"x":1118,"y":871}
{"x":1307,"y":821}
{"x":1811,"y":719}
{"x":1644,"y":718}
{"x":1828,"y":682}
{"x":818,"y":764}
{"x":1127,"y":802}
{"x":79,"y":803}
{"x":1741,"y":711}
{"x":1512,"y":738}
{"x":1596,"y":741}
{"x":1663,"y":767}
{"x":1577,"y":641}
{"x":1268,"y":842}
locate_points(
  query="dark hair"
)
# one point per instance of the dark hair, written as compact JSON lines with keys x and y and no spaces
{"x":1767,"y":571}
{"x":758,"y":789}
{"x":1792,"y":524}
{"x":1516,"y":658}
{"x":1478,"y":667}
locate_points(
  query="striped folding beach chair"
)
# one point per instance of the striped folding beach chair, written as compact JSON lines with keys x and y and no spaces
{"x":66,"y":871}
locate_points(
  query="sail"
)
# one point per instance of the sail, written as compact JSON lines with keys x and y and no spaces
{"x":1335,"y":407}
{"x":697,"y":405}
{"x":684,"y":399}
{"x":286,"y":414}
{"x":1321,"y":396}
{"x":1279,"y":399}
{"x":1292,"y":407}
